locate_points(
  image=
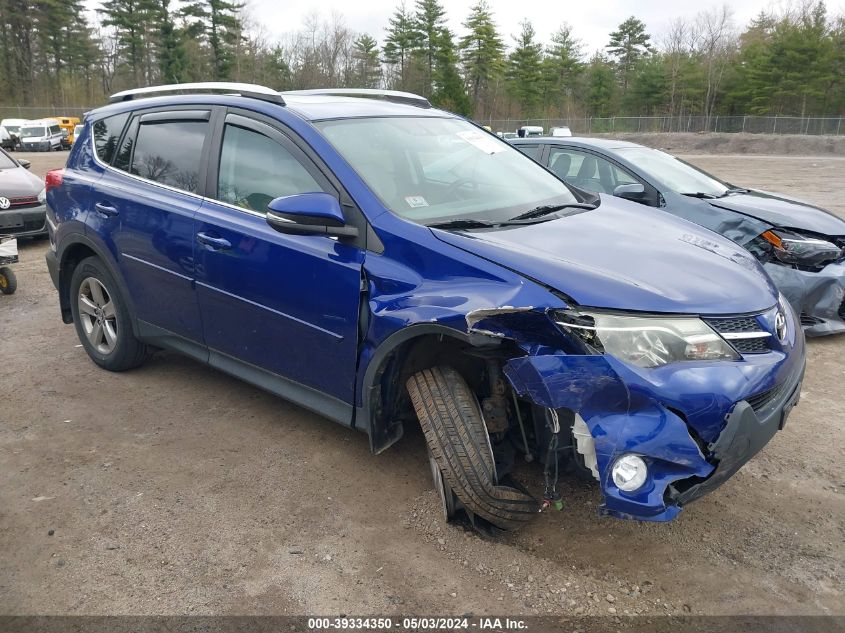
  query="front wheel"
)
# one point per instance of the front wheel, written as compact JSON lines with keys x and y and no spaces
{"x":459,"y":446}
{"x":8,"y":281}
{"x":102,"y":318}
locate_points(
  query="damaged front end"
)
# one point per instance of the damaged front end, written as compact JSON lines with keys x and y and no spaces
{"x":662,"y":410}
{"x":809,"y":270}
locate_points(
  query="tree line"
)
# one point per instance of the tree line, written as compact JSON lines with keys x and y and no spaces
{"x":786,"y":62}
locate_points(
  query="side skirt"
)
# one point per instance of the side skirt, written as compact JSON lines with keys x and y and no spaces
{"x":302,"y":395}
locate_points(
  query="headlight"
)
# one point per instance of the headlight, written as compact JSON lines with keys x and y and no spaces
{"x":42,"y":197}
{"x":629,"y":472}
{"x":792,"y":248}
{"x":646,"y":341}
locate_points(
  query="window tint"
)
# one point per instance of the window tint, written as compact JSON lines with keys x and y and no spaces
{"x":254,"y":169}
{"x":55,"y":129}
{"x":529,"y":150}
{"x":588,"y":171}
{"x":169,"y":152}
{"x":107,"y":134}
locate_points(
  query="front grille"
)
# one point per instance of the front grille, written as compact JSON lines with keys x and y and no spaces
{"x":764,"y":398}
{"x":22,"y":202}
{"x":741,"y":325}
{"x":750,"y":345}
{"x":734,"y":324}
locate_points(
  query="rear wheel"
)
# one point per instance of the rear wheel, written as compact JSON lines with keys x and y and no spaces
{"x":102,"y":318}
{"x":460,"y":450}
{"x":8,"y":280}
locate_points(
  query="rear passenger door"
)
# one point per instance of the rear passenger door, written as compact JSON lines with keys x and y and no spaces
{"x":144,"y":207}
{"x":286,"y":304}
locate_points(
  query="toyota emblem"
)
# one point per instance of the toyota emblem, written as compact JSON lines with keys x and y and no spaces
{"x":5,"y":203}
{"x":780,"y":325}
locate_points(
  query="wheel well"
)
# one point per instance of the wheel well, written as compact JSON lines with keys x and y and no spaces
{"x":74,"y":254}
{"x":389,"y":403}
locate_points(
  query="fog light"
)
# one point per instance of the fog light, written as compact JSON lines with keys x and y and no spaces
{"x":629,"y":472}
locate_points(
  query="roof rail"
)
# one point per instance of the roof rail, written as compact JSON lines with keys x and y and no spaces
{"x":372,"y":93}
{"x":252,"y":91}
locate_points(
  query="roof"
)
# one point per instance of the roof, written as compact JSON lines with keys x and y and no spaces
{"x":308,"y":107}
{"x":581,"y":141}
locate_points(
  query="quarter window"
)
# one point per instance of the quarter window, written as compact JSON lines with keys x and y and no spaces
{"x":169,"y":152}
{"x":107,"y":134}
{"x":255,"y":169}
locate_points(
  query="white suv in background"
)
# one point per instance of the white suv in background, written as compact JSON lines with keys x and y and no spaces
{"x":41,"y":136}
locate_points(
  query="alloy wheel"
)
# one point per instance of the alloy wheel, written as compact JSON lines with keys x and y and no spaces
{"x":97,"y":313}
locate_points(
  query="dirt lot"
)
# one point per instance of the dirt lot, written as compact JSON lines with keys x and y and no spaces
{"x":176,"y":489}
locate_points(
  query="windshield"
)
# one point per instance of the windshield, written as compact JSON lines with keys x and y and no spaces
{"x":12,"y":129}
{"x":6,"y":162}
{"x":433,"y":169}
{"x":677,"y":175}
{"x":33,"y":132}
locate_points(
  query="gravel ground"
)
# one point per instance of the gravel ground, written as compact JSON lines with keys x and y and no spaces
{"x":175,"y":489}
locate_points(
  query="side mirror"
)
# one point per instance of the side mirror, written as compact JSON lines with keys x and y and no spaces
{"x":634,"y":191}
{"x":309,"y":214}
{"x":25,"y":163}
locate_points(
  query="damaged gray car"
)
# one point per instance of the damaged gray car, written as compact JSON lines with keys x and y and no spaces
{"x":801,"y":246}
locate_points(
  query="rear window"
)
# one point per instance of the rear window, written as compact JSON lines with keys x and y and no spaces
{"x":169,"y":152}
{"x":107,"y":134}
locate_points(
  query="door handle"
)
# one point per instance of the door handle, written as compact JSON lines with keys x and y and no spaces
{"x":214,"y":243}
{"x":103,"y":208}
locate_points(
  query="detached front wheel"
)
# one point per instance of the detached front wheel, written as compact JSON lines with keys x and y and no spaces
{"x":461,"y":454}
{"x":8,"y":281}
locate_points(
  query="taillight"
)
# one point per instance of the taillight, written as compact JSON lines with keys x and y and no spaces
{"x":54,"y":178}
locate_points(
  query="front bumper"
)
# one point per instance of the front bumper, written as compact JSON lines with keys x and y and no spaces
{"x":26,"y":222}
{"x":819,"y":297}
{"x":38,"y":146}
{"x":695,"y":424}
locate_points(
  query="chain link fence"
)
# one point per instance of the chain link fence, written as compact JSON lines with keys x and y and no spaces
{"x":815,"y":126}
{"x":39,"y":112}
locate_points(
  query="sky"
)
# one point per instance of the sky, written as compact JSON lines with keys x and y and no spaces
{"x":592,"y":20}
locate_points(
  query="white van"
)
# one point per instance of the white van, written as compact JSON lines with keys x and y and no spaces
{"x":530,"y":130}
{"x":44,"y":135}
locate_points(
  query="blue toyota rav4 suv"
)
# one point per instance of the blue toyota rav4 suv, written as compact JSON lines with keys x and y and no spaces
{"x":385,"y":263}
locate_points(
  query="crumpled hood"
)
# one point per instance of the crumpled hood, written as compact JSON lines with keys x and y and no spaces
{"x":19,"y":182}
{"x":625,"y":256}
{"x":783,"y":212}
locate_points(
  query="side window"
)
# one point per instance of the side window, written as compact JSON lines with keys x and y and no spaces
{"x":532,"y":151}
{"x":255,"y":169}
{"x":55,"y":129}
{"x":107,"y":134}
{"x":588,"y":171}
{"x":169,"y":152}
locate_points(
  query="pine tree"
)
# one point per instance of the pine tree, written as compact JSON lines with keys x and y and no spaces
{"x":218,"y":23}
{"x":482,"y":52}
{"x":628,"y":44}
{"x":600,"y":87}
{"x":448,"y":92}
{"x":562,"y":66}
{"x":129,"y":19}
{"x":429,"y":24}
{"x":524,"y":70}
{"x":367,"y":72}
{"x":400,"y":42}
{"x":171,"y":50}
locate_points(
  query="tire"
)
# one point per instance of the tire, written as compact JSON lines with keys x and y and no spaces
{"x":114,"y":346}
{"x":8,"y":281}
{"x":457,"y":439}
